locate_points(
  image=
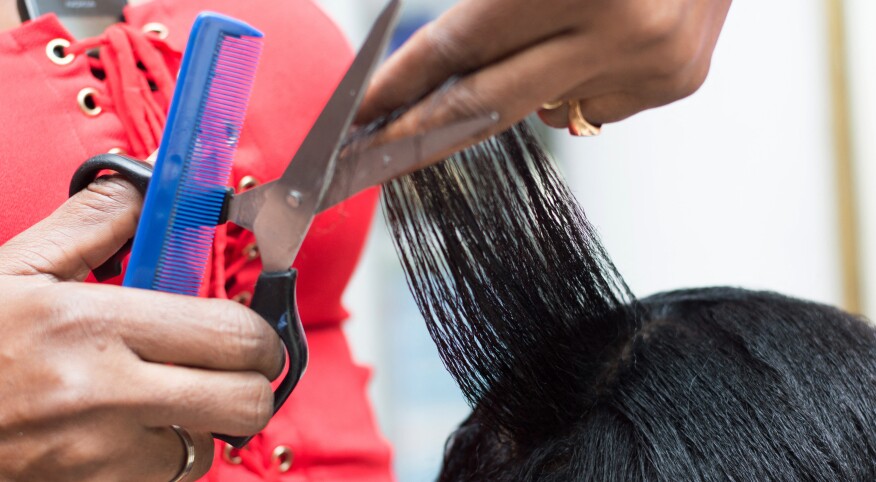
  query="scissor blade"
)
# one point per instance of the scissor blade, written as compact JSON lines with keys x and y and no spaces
{"x":290,"y":204}
{"x":357,"y":170}
{"x":245,"y":206}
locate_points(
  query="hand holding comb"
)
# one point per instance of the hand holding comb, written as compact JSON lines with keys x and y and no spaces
{"x":186,"y":196}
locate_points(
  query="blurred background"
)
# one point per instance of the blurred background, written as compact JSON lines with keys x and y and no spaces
{"x":763,"y":179}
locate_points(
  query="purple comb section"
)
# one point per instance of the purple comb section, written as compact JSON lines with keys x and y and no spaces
{"x":200,"y":199}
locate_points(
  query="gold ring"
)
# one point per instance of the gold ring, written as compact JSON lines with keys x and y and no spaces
{"x":190,"y":452}
{"x":553,"y":105}
{"x":578,"y":125}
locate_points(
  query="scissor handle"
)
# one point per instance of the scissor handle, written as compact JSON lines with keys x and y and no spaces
{"x":139,"y":173}
{"x":274,"y":299}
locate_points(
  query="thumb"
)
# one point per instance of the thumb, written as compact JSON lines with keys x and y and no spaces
{"x":79,"y":236}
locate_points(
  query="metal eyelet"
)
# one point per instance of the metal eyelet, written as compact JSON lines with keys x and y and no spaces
{"x":159,"y":29}
{"x":244,"y":297}
{"x":247,"y":182}
{"x":118,"y":151}
{"x":87,"y":103}
{"x":284,"y":455}
{"x":251,"y":251}
{"x":55,"y":51}
{"x":229,"y":457}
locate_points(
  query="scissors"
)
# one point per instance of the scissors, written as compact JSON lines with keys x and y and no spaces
{"x":320,"y":175}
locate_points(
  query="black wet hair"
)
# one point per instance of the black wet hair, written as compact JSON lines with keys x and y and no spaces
{"x":570,"y":377}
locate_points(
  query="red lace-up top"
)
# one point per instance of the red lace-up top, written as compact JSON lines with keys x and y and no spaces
{"x":61,"y":106}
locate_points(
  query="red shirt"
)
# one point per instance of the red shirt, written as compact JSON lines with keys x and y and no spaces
{"x":327,"y":423}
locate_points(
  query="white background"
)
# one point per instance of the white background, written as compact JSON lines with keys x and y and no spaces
{"x":732,"y":186}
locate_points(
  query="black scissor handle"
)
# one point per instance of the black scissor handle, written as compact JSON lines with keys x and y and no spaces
{"x":274,"y":299}
{"x":139,"y":173}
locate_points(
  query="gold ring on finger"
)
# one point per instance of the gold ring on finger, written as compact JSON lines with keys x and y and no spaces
{"x":190,"y":452}
{"x":578,"y":125}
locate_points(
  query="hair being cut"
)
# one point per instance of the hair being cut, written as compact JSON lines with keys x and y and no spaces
{"x":570,"y":377}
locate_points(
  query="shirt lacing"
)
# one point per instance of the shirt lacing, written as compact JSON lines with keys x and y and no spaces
{"x":139,"y":71}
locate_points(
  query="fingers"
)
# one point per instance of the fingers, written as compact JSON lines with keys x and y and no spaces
{"x":237,"y":403}
{"x":472,"y":34}
{"x":557,"y":117}
{"x":79,"y":236}
{"x":597,"y":110}
{"x":161,"y":454}
{"x":110,"y":448}
{"x":167,"y":328}
{"x":513,"y":88}
{"x":203,"y":455}
{"x":611,"y":108}
{"x":619,"y":57}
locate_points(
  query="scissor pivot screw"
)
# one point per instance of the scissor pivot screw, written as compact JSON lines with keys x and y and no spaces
{"x":294,"y":198}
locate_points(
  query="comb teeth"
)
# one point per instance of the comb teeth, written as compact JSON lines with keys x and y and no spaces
{"x":199,"y":199}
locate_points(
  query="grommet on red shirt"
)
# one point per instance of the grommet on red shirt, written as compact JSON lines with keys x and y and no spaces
{"x":87,"y":103}
{"x":229,"y":456}
{"x":55,"y":51}
{"x":283,"y":456}
{"x":244,"y":297}
{"x":247,"y":182}
{"x":158,"y":29}
{"x":251,"y":251}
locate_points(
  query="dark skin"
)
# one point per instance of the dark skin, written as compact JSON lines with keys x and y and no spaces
{"x":619,"y":57}
{"x":94,"y":375}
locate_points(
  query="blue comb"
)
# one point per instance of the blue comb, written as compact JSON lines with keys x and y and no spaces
{"x":184,"y":201}
{"x":187,"y":197}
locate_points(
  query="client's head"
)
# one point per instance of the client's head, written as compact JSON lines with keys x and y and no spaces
{"x":717,"y":384}
{"x":571,"y":378}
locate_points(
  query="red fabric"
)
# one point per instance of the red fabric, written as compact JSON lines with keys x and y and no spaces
{"x":122,"y":50}
{"x":327,"y":422}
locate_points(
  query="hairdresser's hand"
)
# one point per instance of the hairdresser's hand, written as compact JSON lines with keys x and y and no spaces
{"x":618,"y":57}
{"x":87,"y":390}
